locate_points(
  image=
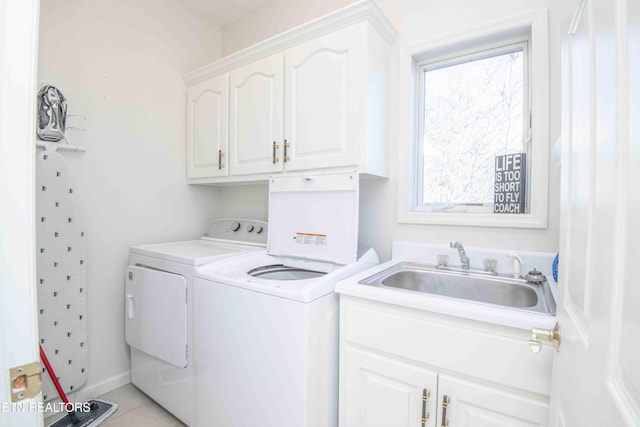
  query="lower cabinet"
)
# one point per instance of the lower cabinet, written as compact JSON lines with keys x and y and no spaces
{"x":383,"y":392}
{"x":466,"y":403}
{"x":395,"y":385}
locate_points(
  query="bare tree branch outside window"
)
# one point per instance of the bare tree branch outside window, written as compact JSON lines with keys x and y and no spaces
{"x":473,"y":112}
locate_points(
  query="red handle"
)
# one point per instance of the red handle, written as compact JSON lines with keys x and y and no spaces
{"x":53,"y":377}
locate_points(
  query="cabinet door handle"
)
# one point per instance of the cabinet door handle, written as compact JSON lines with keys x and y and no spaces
{"x":446,"y":400}
{"x":425,"y":414}
{"x":286,"y":145}
{"x":274,"y":158}
{"x":220,"y":155}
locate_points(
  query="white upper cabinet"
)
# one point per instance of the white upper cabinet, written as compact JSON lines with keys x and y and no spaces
{"x":207,"y":128}
{"x":312,"y":99}
{"x":323,"y":83}
{"x":256,"y":116}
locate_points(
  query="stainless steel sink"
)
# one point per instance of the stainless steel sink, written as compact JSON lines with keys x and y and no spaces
{"x":477,"y":287}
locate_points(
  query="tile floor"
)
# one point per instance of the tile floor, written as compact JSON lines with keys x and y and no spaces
{"x":135,"y":409}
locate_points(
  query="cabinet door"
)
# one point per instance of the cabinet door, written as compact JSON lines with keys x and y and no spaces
{"x":256,"y":117}
{"x":377,"y":391}
{"x":208,"y":128}
{"x":322,"y":95}
{"x":476,"y":405}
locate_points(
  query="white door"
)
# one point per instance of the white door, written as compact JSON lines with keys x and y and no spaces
{"x":18,"y":321}
{"x":322,"y":92}
{"x":208,"y":128}
{"x":596,"y":378}
{"x":384,"y":392}
{"x":256,"y":117}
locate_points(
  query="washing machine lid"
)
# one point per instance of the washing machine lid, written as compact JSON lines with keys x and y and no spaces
{"x":314,"y":217}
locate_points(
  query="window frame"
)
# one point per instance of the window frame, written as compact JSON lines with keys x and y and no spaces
{"x":532,"y":26}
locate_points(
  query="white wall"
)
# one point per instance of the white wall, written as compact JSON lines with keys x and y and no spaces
{"x":417,"y":22}
{"x":274,"y":18}
{"x":120,"y":64}
{"x":244,"y":201}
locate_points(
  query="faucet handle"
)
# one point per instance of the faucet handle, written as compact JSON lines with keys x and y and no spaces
{"x":517,"y":264}
{"x":490,"y":265}
{"x":443,"y":260}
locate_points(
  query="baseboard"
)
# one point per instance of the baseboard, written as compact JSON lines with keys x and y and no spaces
{"x":105,"y":386}
{"x":97,"y":389}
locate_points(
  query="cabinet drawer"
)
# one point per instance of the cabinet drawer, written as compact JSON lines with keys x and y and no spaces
{"x":494,"y":353}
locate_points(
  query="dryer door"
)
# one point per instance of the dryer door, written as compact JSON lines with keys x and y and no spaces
{"x":156,"y":314}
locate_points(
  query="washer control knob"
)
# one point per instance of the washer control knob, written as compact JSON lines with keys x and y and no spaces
{"x":258,"y":229}
{"x":250,"y":228}
{"x":235,"y":226}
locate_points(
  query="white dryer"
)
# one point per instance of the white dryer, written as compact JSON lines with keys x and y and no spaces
{"x":159,"y":308}
{"x":267,"y":323}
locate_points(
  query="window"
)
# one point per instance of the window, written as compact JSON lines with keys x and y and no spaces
{"x":472,"y":109}
{"x":478,"y":148}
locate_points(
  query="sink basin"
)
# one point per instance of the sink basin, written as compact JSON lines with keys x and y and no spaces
{"x":469,"y":286}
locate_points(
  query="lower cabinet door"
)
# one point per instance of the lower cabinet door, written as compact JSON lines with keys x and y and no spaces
{"x":377,"y":391}
{"x":463,"y":403}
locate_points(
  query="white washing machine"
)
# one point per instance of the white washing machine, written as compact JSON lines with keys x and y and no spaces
{"x":267,"y":323}
{"x":159,"y":308}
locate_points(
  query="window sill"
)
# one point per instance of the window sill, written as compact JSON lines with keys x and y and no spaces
{"x":474,"y":219}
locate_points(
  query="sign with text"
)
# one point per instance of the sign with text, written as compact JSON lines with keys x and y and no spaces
{"x":510,"y":183}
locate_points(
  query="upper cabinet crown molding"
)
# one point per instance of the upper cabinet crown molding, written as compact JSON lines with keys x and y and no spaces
{"x":366,"y":10}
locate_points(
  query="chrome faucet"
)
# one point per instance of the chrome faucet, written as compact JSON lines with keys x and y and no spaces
{"x":464,"y":259}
